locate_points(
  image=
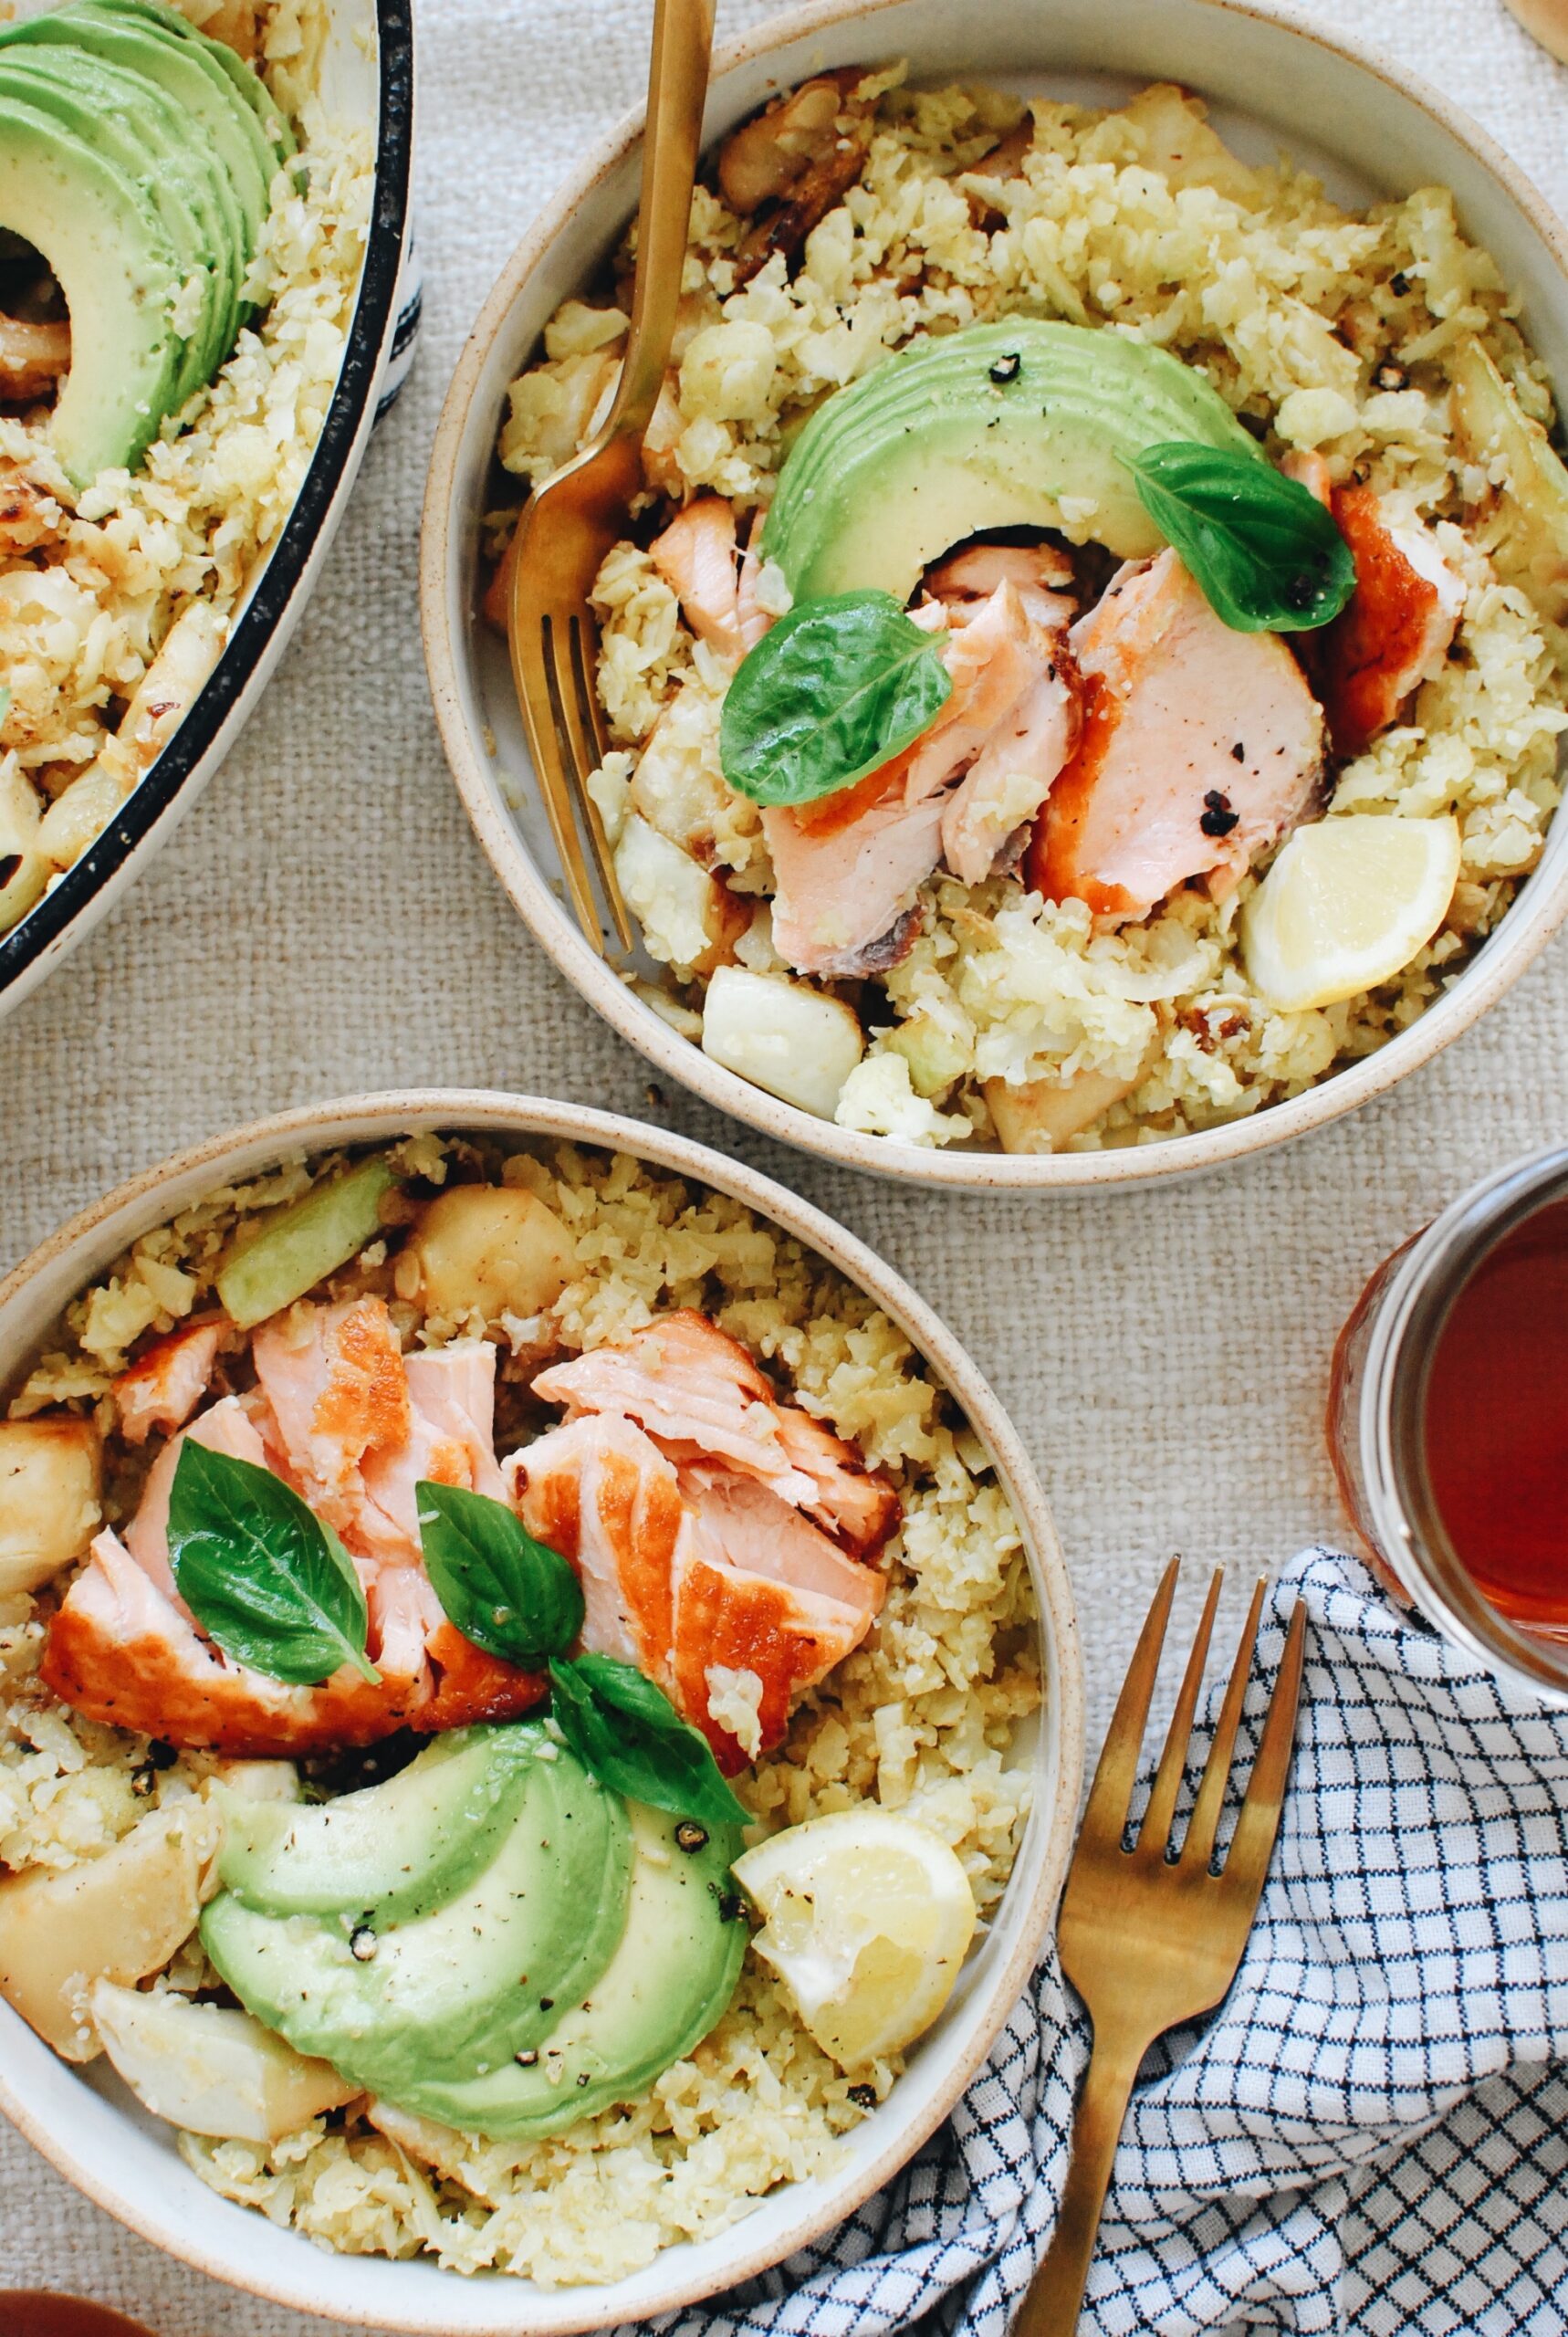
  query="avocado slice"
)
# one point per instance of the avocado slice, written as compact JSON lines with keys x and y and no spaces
{"x":250,"y":88}
{"x":467,"y":1985}
{"x":669,"y":1980}
{"x":130,"y":121}
{"x":111,"y":255}
{"x":990,"y":427}
{"x":391,"y":1851}
{"x":189,"y":77}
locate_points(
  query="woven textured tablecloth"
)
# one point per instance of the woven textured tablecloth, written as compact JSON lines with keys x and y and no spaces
{"x":324,"y":921}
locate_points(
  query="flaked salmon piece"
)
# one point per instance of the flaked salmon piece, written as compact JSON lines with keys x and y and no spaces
{"x":761,"y":1535}
{"x":751,"y":617}
{"x":1200,"y":747}
{"x":451,"y":1438}
{"x":167,"y":1381}
{"x":335,"y":1380}
{"x":1310,"y":469}
{"x":692,"y":1573}
{"x":226,"y":1427}
{"x":848,"y":867}
{"x":700,"y":1395}
{"x":741,"y":1623}
{"x":838,"y":892}
{"x":1013,"y":773}
{"x":1040,"y":574}
{"x":849,"y":1500}
{"x":1395,"y":631}
{"x":32,"y":358}
{"x":696,"y":556}
{"x":599,"y":1491}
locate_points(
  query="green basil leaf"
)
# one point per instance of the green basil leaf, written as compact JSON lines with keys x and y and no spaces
{"x":1265,"y":553}
{"x":512,"y":1596}
{"x":628,"y":1733}
{"x":262,"y":1576}
{"x":834,"y":690}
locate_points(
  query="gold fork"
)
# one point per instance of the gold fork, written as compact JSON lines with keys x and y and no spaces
{"x":1152,"y":1937}
{"x":572,"y":520}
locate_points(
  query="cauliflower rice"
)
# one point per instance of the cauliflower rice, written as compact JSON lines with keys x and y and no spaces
{"x":921,"y":1719}
{"x":1327,"y":329}
{"x":93,"y":585}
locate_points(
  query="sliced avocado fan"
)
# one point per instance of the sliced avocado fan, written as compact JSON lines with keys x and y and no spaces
{"x":492,"y":1937}
{"x":1022,"y":423}
{"x":131,"y":123}
{"x":475,"y":1977}
{"x":112,"y":257}
{"x":137,"y":155}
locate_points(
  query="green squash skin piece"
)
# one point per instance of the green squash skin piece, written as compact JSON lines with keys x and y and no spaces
{"x":668,"y":1983}
{"x":119,"y":270}
{"x":989,"y":427}
{"x":391,"y":1852}
{"x":131,"y":122}
{"x":192,"y":79}
{"x":309,"y":1241}
{"x":470,"y":1984}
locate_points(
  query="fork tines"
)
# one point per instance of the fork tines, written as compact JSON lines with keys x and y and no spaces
{"x":1109,"y":1810}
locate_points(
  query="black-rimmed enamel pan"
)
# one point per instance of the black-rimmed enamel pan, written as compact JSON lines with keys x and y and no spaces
{"x":369,"y":70}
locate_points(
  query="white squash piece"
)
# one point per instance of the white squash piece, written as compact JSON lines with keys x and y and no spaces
{"x":689,"y":918}
{"x":24,"y":868}
{"x":1040,"y":1115}
{"x":211,"y":2070}
{"x":50,"y":1471}
{"x":493,"y":1247}
{"x":260,"y":1781}
{"x":118,"y":1917}
{"x":1496,"y":433}
{"x":163,"y":698}
{"x":793,"y":1041}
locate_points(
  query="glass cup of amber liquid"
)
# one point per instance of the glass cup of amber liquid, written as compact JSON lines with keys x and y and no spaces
{"x":1447,"y":1422}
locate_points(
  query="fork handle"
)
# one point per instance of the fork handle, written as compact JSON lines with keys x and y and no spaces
{"x":1055,"y":2296}
{"x":677,"y":85}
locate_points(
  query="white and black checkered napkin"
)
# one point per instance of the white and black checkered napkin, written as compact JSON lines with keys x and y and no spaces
{"x":1371,"y":2135}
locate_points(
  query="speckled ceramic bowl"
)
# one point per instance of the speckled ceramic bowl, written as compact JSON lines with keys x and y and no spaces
{"x":367,"y":76}
{"x":1273,"y":81}
{"x":89,"y":2126}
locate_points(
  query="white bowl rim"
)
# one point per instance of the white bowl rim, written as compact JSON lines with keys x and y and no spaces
{"x":1046,"y":1843}
{"x":1518,"y":939}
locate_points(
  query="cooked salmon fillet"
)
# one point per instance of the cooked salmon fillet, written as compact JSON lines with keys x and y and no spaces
{"x":136,"y":1657}
{"x":168,"y":1379}
{"x":1395,"y":631}
{"x":848,"y":867}
{"x":699,"y":1395}
{"x":693,"y":1572}
{"x":1200,"y":747}
{"x":125,"y":1651}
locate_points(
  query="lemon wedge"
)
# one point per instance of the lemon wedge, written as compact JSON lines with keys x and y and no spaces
{"x":1346,"y":906}
{"x":869,"y":1918}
